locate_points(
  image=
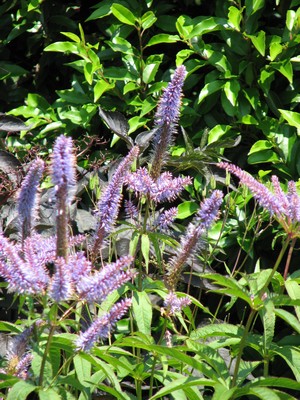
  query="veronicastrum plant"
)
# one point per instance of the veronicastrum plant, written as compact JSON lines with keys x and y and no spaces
{"x":67,"y":348}
{"x":69,"y":294}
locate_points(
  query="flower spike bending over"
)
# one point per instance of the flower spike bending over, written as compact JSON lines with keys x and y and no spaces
{"x":205,"y":217}
{"x":102,"y":326}
{"x":166,"y":118}
{"x":28,"y":198}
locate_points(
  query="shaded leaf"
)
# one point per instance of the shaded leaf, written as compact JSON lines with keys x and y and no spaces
{"x":117,"y":123}
{"x":12,"y":124}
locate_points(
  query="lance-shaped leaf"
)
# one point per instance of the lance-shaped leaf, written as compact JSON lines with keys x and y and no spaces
{"x":118,"y":124}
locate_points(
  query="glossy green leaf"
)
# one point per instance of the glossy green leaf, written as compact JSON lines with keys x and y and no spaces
{"x":231,"y":89}
{"x":152,"y":65}
{"x":162,"y":38}
{"x":209,"y":89}
{"x":292,"y":117}
{"x":142,"y":310}
{"x":123,"y":14}
{"x":285,"y":68}
{"x":208,"y":25}
{"x":63,"y":47}
{"x":148,"y":19}
{"x":289,"y":318}
{"x":101,"y":87}
{"x":293,"y":289}
{"x":235,"y":17}
{"x":259,"y":42}
{"x":102,"y":11}
{"x":186,"y":209}
{"x":290,"y":19}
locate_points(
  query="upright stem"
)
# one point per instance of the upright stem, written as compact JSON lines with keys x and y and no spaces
{"x":289,"y":257}
{"x":62,"y":224}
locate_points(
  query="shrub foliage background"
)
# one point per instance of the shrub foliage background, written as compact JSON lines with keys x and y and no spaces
{"x":95,"y":72}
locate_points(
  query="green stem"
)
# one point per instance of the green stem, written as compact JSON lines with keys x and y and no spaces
{"x":289,"y":257}
{"x":242,"y":346}
{"x":47,"y":348}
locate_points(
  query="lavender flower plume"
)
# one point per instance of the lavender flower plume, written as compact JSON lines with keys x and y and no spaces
{"x":207,"y":214}
{"x":293,"y":201}
{"x":101,"y":327}
{"x":96,"y":287}
{"x":109,"y":203}
{"x":28,"y":198}
{"x":165,"y":188}
{"x":174,"y":304}
{"x":263,"y":195}
{"x":166,"y":118}
{"x":166,"y":218}
{"x":60,"y":288}
{"x":22,"y":275}
{"x":63,"y":167}
{"x":64,"y":180}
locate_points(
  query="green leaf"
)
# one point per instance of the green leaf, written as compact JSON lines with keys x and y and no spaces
{"x":209,"y":89}
{"x":123,"y":14}
{"x":186,"y":209}
{"x":267,"y":314}
{"x":21,"y":390}
{"x":292,"y":117}
{"x":63,"y":47}
{"x":290,"y":19}
{"x":162,"y":38}
{"x":182,"y":383}
{"x":145,"y":248}
{"x":82,"y":369}
{"x":101,"y":87}
{"x":101,"y":11}
{"x":235,"y":17}
{"x":289,"y":318}
{"x":291,"y":355}
{"x":293,"y":289}
{"x":71,"y":36}
{"x":142,"y":310}
{"x":254,"y":5}
{"x":231,"y":89}
{"x":259,"y":42}
{"x":208,"y":25}
{"x":152,"y":64}
{"x":148,"y":19}
{"x":49,"y":394}
{"x":120,"y":44}
{"x":285,"y":68}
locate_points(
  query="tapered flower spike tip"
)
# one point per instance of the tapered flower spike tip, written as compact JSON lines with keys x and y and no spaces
{"x":28,"y":198}
{"x":63,"y":167}
{"x":169,"y":105}
{"x":166,"y":118}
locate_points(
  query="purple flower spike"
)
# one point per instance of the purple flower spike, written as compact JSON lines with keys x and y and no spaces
{"x":109,"y":203}
{"x":166,"y":118}
{"x":209,"y":209}
{"x":169,"y":105}
{"x":96,"y":287}
{"x":101,"y":327}
{"x":207,"y":214}
{"x":263,"y":195}
{"x":61,"y":285}
{"x":167,"y":217}
{"x":175,"y":304}
{"x":293,"y":201}
{"x":28,"y":198}
{"x":63,"y":167}
{"x":165,"y":188}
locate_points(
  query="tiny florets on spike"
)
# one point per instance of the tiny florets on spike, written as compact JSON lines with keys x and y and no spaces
{"x":109,"y":203}
{"x":293,"y":201}
{"x":190,"y":241}
{"x":101,"y":327}
{"x":63,"y":167}
{"x":166,"y":118}
{"x":174,"y":304}
{"x":96,"y":287}
{"x":166,"y":218}
{"x":264,"y":196}
{"x":209,"y":209}
{"x":131,"y":210}
{"x":28,"y":198}
{"x":61,"y":288}
{"x":165,"y":188}
{"x":169,"y":104}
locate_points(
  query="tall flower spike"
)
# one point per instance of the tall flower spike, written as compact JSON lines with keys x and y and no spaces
{"x":166,"y":118}
{"x":109,"y":203}
{"x":61,"y":286}
{"x":64,"y":180}
{"x":28,"y":198}
{"x":206,"y":216}
{"x":263,"y":195}
{"x":102,"y":326}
